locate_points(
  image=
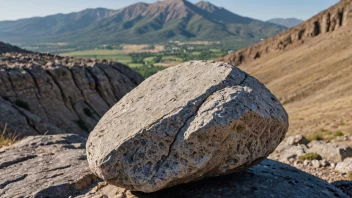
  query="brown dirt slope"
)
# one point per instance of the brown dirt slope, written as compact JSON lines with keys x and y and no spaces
{"x":312,"y":75}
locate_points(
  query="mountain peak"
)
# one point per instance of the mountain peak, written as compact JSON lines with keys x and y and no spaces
{"x":207,"y":6}
{"x":286,"y":22}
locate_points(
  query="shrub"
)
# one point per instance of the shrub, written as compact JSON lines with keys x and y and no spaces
{"x":310,"y":156}
{"x":7,"y":140}
{"x":88,"y":112}
{"x":339,"y":134}
{"x":316,"y":137}
{"x":82,"y":125}
{"x":349,"y":175}
{"x":148,"y":71}
{"x":22,"y":104}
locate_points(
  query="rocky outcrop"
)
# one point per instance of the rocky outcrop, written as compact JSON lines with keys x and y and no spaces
{"x":47,"y":94}
{"x":268,"y":179}
{"x":4,"y":48}
{"x":325,"y":22}
{"x":45,"y":166}
{"x":195,"y":120}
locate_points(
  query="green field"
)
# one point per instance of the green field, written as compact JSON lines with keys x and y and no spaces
{"x":148,"y":63}
{"x":112,"y":55}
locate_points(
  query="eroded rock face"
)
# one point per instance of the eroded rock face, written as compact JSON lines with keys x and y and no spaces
{"x":50,"y":94}
{"x":327,"y":21}
{"x":45,"y":166}
{"x":195,"y":120}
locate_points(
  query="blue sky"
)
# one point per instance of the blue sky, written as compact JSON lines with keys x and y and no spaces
{"x":259,"y":9}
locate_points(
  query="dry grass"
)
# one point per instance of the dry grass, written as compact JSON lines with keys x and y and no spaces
{"x":7,"y":140}
{"x":313,"y":81}
{"x":310,"y":156}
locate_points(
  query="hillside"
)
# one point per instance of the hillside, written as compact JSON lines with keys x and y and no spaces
{"x":289,"y":22}
{"x":309,"y":68}
{"x":49,"y":94}
{"x":4,"y":48}
{"x":138,"y":23}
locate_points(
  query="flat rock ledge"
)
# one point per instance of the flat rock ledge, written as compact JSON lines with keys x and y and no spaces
{"x":55,"y":166}
{"x":195,"y":120}
{"x":267,"y":179}
{"x":45,"y":166}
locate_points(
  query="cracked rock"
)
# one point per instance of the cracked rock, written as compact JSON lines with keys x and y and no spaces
{"x":198,"y":119}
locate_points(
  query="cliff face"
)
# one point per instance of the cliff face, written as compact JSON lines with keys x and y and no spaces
{"x":325,"y":22}
{"x":46,"y":94}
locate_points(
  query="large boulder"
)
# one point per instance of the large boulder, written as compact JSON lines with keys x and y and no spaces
{"x":195,"y":120}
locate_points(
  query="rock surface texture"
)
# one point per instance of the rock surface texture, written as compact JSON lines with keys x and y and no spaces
{"x":46,"y":94}
{"x":198,"y":119}
{"x":45,"y":166}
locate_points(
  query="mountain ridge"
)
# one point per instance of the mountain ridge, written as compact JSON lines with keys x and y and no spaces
{"x":286,"y":22}
{"x":138,"y":23}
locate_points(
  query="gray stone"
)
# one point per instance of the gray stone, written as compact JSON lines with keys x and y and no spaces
{"x":296,"y":140}
{"x":45,"y":166}
{"x":316,"y":163}
{"x":345,"y":166}
{"x":330,"y":151}
{"x":195,"y":120}
{"x":46,"y":94}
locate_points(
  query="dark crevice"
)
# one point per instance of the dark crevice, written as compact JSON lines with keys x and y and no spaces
{"x":60,"y":89}
{"x":64,"y":98}
{"x":10,"y":80}
{"x":17,"y":160}
{"x":112,"y":87}
{"x":82,"y":94}
{"x":130,"y":78}
{"x":317,"y":29}
{"x":340,"y":15}
{"x":328,"y":22}
{"x":58,"y":168}
{"x":188,"y":119}
{"x":96,"y":80}
{"x":39,"y":92}
{"x":7,"y":182}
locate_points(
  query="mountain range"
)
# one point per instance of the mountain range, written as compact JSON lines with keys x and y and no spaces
{"x":139,"y":23}
{"x":286,"y":22}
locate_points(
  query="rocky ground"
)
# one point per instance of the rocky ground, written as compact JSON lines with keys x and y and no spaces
{"x":56,"y":166}
{"x":328,"y":160}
